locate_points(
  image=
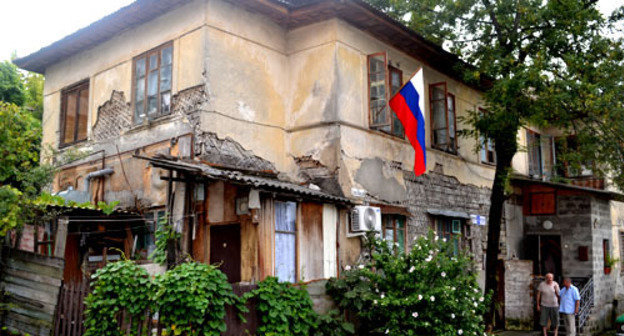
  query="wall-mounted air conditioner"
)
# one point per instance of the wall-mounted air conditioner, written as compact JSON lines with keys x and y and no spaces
{"x":365,"y":218}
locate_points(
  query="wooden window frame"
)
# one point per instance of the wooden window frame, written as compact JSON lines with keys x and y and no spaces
{"x":145,"y":55}
{"x":461,"y":236}
{"x":74,"y":88}
{"x":385,"y":218}
{"x":389,"y":69}
{"x":451,"y":147}
{"x":538,"y":139}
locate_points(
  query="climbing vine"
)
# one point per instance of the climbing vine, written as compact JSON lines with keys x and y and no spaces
{"x":165,"y":235}
{"x":191,"y":300}
{"x":117,"y":287}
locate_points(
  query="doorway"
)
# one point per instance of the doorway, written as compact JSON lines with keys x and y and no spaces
{"x":545,"y":251}
{"x":225,"y":249}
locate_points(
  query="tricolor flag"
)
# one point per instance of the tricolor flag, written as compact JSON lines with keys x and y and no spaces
{"x":409,"y":106}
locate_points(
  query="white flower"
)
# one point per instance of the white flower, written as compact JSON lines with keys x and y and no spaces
{"x":444,"y":240}
{"x":453,"y":288}
{"x":383,"y":295}
{"x":481,"y":299}
{"x":475,"y":290}
{"x":443,"y":274}
{"x":436,"y":238}
{"x":387,"y":331}
{"x":419,"y":297}
{"x":411,"y":270}
{"x":361,"y":267}
{"x":432,"y":298}
{"x":428,"y":259}
{"x":452,"y":315}
{"x":375,"y":302}
{"x":414,"y":314}
{"x":347,"y":268}
{"x":459,"y":332}
{"x":474,"y":304}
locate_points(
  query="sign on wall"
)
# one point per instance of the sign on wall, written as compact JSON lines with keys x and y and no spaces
{"x":478,"y":220}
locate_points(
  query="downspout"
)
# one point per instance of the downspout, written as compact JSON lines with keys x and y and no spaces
{"x":97,"y":173}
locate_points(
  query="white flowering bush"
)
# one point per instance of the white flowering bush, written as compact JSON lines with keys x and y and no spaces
{"x":429,"y":291}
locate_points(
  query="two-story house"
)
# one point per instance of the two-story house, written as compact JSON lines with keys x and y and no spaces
{"x":254,"y":127}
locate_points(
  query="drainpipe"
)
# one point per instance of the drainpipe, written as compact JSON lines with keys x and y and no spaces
{"x":97,"y":173}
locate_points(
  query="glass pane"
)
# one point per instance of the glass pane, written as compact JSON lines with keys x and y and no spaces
{"x":285,"y":256}
{"x":377,"y":64}
{"x":451,"y":115}
{"x":395,"y":81}
{"x":139,"y":112}
{"x":389,"y":235}
{"x":166,"y":56}
{"x":439,"y":137}
{"x":140,"y":89}
{"x":401,"y":240}
{"x":152,"y":83}
{"x":439,"y":119}
{"x":140,"y":67}
{"x":153,"y":61}
{"x":400,"y":222}
{"x":165,"y":102}
{"x":83,"y":114}
{"x":397,"y":127}
{"x":152,"y":105}
{"x":70,"y":117}
{"x":437,"y":93}
{"x":165,"y":78}
{"x":285,"y":216}
{"x":378,"y":112}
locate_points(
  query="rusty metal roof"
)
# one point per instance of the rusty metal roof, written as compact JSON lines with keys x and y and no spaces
{"x":262,"y":182}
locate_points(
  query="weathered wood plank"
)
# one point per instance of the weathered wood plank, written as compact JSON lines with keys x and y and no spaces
{"x":30,"y":293}
{"x":39,"y":278}
{"x":61,"y":237}
{"x":36,"y":268}
{"x":38,"y":286}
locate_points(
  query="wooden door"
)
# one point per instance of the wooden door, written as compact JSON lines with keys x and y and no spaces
{"x":225,"y":249}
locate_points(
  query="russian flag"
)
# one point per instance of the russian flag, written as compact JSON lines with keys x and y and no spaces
{"x":409,"y":105}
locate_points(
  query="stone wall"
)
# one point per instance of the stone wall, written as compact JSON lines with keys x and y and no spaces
{"x":518,"y":298}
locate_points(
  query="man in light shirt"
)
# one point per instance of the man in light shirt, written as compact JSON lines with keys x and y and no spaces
{"x":570,"y":303}
{"x":548,"y":304}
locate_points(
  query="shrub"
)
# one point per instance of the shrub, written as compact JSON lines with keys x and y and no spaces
{"x":191,"y":300}
{"x":117,"y":287}
{"x":283,"y":309}
{"x":430,"y":291}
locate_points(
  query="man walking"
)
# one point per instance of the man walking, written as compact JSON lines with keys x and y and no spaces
{"x":548,"y":303}
{"x":570,"y":303}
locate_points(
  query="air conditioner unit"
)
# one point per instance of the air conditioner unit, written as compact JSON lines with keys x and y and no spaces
{"x":365,"y":218}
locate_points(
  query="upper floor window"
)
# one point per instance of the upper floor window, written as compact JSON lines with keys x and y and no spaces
{"x":74,"y":113}
{"x":152,"y":83}
{"x":443,"y":122}
{"x":534,"y":150}
{"x":394,"y":230}
{"x":383,"y":82}
{"x":488,"y":155}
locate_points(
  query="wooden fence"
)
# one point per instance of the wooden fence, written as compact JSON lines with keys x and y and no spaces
{"x":31,"y":286}
{"x":70,"y":316}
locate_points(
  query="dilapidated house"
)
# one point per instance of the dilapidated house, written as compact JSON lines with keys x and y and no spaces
{"x":255,"y":127}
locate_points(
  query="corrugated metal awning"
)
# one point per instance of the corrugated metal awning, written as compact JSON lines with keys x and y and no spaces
{"x":265,"y":183}
{"x":448,"y":213}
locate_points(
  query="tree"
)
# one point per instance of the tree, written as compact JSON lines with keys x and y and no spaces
{"x":33,"y":93}
{"x":548,"y":63}
{"x":11,"y":86}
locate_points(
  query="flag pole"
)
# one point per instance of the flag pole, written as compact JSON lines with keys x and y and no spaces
{"x":402,"y":86}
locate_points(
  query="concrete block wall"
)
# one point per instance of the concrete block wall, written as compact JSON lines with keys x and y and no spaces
{"x":518,"y":298}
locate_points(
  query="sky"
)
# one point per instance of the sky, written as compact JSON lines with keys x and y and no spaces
{"x":29,"y":25}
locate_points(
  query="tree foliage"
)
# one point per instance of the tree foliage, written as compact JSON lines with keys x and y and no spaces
{"x":547,"y":64}
{"x":11,"y":85}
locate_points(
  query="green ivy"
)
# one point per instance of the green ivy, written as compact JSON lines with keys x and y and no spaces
{"x":165,"y":233}
{"x":430,"y":291}
{"x":283,"y":309}
{"x":191,"y":300}
{"x":117,"y":287}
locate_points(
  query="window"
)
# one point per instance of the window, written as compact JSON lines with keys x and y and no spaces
{"x":565,"y":148}
{"x":394,"y":230}
{"x":606,"y":256}
{"x":442,"y":118}
{"x":285,"y":241}
{"x":383,"y":82}
{"x":145,"y":235}
{"x":450,"y":229}
{"x":74,"y":113}
{"x":488,"y":154}
{"x":152,"y":83}
{"x":534,"y":150}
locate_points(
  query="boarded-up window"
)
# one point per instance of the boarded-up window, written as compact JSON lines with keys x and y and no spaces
{"x":394,"y":230}
{"x":442,"y":106}
{"x":534,"y":150}
{"x":383,"y":82}
{"x":74,"y":113}
{"x":152,"y":83}
{"x":285,"y":241}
